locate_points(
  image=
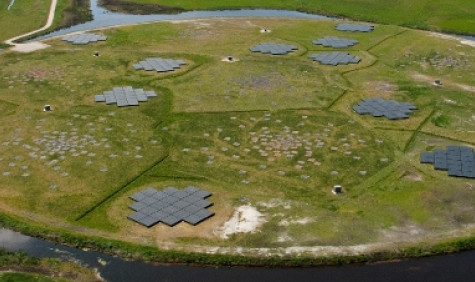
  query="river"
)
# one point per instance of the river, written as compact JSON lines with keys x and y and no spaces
{"x":453,"y":267}
{"x":104,"y":18}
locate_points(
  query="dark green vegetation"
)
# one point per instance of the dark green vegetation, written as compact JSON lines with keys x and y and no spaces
{"x":274,"y":133}
{"x":72,"y":12}
{"x":440,"y":15}
{"x":138,"y":8}
{"x":20,"y":267}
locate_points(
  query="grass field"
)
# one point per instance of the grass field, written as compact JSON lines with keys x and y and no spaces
{"x":13,"y":21}
{"x":271,"y":132}
{"x":452,"y":16}
{"x":29,"y":15}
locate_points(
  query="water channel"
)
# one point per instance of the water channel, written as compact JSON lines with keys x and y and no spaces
{"x":104,"y":18}
{"x":454,"y":267}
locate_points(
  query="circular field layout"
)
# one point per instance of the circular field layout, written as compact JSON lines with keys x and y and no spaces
{"x":264,"y":138}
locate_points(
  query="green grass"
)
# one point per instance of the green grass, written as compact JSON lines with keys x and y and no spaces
{"x":215,"y":124}
{"x":26,"y":16}
{"x":452,"y":16}
{"x":13,"y":21}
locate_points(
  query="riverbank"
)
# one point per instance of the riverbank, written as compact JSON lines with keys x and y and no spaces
{"x":111,"y":268}
{"x":129,"y":7}
{"x":20,"y":267}
{"x":438,"y":15}
{"x":389,"y":252}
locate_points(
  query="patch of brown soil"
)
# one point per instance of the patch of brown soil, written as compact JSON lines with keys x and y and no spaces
{"x":410,"y":174}
{"x":384,"y":88}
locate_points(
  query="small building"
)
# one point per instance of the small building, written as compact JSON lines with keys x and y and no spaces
{"x":337,"y":189}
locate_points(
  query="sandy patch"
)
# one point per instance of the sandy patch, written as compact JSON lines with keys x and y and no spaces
{"x":244,"y":220}
{"x":414,"y":177}
{"x":273,"y":203}
{"x":398,"y":233}
{"x":301,"y":221}
{"x":229,"y":59}
{"x":392,"y":239}
{"x":410,"y":174}
{"x":284,"y":238}
{"x":468,"y":42}
{"x":29,"y":47}
{"x":380,"y":87}
{"x":448,"y":101}
{"x":451,"y":37}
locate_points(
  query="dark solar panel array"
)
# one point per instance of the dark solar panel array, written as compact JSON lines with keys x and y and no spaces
{"x":391,"y":109}
{"x":335,"y":58}
{"x":273,"y":48}
{"x":84,"y":38}
{"x":457,"y":160}
{"x":170,"y":206}
{"x":335,"y":42}
{"x":125,"y":96}
{"x":159,"y":64}
{"x":354,"y":27}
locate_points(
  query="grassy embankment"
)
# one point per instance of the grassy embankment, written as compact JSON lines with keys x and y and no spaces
{"x":20,"y":267}
{"x":440,"y":15}
{"x":201,"y":131}
{"x":29,"y":15}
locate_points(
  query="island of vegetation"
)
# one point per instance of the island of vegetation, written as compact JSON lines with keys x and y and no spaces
{"x":269,"y":136}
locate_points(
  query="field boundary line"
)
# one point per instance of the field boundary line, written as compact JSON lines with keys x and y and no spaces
{"x":121,"y":188}
{"x":417,"y":130}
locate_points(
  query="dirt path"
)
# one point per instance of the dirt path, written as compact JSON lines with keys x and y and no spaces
{"x":427,"y":78}
{"x":33,"y":46}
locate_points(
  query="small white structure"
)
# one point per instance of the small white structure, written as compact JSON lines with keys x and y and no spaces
{"x":47,"y":108}
{"x":337,"y":189}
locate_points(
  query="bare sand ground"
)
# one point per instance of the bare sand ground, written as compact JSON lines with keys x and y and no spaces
{"x":452,"y":37}
{"x":245,"y":219}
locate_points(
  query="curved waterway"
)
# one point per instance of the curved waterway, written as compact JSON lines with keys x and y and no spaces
{"x":453,"y":267}
{"x":105,"y":18}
